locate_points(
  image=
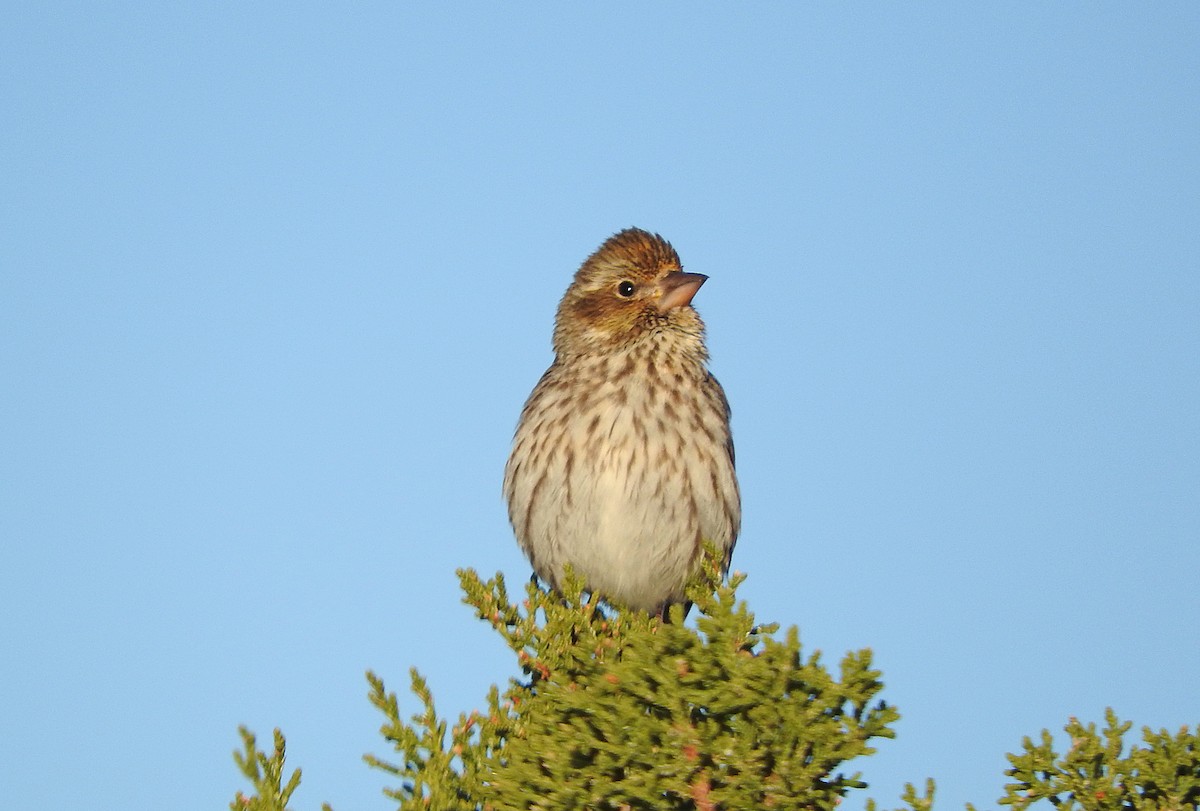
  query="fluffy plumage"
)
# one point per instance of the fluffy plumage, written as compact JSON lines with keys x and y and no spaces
{"x":622,"y":463}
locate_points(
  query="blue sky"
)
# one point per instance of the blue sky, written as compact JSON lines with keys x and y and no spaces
{"x":276,"y":279}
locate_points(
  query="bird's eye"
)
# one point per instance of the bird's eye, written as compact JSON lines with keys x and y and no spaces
{"x":625,"y":289}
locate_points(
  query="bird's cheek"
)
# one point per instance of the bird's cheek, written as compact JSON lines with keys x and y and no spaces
{"x":586,"y":310}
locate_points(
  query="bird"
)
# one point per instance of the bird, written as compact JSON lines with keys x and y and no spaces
{"x":622,"y":462}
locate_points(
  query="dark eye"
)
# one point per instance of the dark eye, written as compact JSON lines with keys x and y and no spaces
{"x":625,"y":289}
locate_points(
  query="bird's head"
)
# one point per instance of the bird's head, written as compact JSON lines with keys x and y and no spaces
{"x":632,"y":287}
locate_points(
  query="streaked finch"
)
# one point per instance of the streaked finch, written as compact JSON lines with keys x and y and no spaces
{"x":622,"y":463}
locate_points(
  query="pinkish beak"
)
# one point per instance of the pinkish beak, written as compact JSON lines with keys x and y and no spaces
{"x":678,"y":289}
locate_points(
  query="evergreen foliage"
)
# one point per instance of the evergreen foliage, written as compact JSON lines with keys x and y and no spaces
{"x":625,"y":711}
{"x":622,"y":710}
{"x":265,"y":773}
{"x":1095,"y":774}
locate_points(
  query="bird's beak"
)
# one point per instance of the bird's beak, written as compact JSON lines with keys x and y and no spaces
{"x":678,"y":289}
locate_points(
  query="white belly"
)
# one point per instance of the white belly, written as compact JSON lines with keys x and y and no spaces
{"x":624,"y":486}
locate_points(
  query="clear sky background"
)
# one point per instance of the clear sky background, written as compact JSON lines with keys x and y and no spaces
{"x":275,"y":280}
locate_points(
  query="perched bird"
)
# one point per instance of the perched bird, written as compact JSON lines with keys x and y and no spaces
{"x":622,"y":463}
